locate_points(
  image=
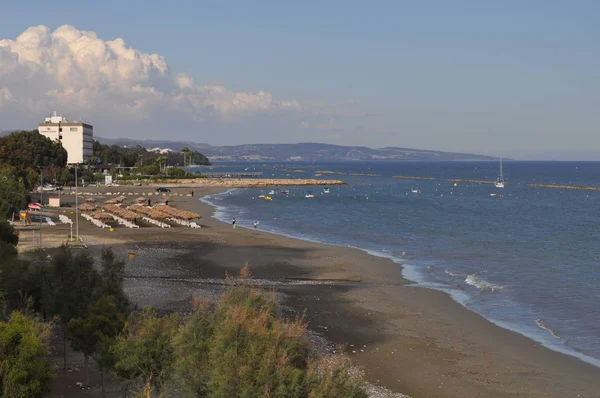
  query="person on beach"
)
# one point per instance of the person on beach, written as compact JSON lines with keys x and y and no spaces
{"x":233,"y":222}
{"x":255,"y":225}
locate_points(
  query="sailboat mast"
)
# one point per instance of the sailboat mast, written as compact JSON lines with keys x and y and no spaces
{"x":501,"y":171}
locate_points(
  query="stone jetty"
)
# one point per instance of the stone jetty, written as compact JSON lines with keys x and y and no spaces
{"x":414,"y":178}
{"x":251,"y":182}
{"x":579,"y":187}
{"x":475,"y":181}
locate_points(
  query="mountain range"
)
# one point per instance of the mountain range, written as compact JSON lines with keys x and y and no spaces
{"x":306,"y":151}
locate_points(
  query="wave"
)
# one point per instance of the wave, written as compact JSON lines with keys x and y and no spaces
{"x":450,"y":273}
{"x":481,"y":284}
{"x":543,"y":326}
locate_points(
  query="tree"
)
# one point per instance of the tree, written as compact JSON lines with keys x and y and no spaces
{"x":25,"y":150}
{"x":176,"y":172}
{"x":112,"y":274}
{"x":192,"y":350}
{"x":162,"y":161}
{"x":70,"y":287}
{"x":14,"y":282}
{"x":145,"y":351}
{"x":104,"y":321}
{"x":25,"y":367}
{"x":151,"y":169}
{"x":8,"y":233}
{"x":13,"y":194}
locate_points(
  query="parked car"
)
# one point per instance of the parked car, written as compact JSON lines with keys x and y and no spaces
{"x":162,"y":189}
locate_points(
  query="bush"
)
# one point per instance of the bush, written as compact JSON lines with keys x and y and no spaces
{"x":25,"y":367}
{"x":176,"y":172}
{"x":151,"y":170}
{"x":7,"y":233}
{"x":244,"y":348}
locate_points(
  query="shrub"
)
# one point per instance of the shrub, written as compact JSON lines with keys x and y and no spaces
{"x":25,"y":367}
{"x":245,"y":349}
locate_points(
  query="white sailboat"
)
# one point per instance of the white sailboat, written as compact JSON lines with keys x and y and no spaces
{"x":500,"y":181}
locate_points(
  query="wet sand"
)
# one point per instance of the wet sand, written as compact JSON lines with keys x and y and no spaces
{"x":408,"y":339}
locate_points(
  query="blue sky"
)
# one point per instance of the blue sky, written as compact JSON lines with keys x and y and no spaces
{"x":512,"y":78}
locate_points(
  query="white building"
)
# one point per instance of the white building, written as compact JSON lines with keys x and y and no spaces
{"x":76,"y":137}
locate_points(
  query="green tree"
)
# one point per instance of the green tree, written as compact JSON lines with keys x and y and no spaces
{"x":145,"y":351}
{"x":70,"y":287}
{"x":112,"y":274}
{"x":13,"y":194}
{"x":151,"y":169}
{"x":104,"y":321}
{"x":15,"y":282}
{"x":30,"y":150}
{"x":192,"y":350}
{"x":66,"y":176}
{"x":161,"y":162}
{"x":8,"y":233}
{"x":25,"y":367}
{"x":176,"y":172}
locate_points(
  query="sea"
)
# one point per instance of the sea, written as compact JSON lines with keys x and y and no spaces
{"x":526,"y":258}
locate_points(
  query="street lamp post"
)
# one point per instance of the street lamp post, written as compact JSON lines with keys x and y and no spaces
{"x":41,"y":204}
{"x":76,"y":206}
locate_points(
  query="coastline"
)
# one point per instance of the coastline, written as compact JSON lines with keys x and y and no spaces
{"x":447,"y":305}
{"x":414,"y":276}
{"x":408,"y":339}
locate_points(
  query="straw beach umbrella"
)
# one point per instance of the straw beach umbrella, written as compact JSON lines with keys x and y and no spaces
{"x":148,"y":212}
{"x":90,"y":200}
{"x":101,"y":215}
{"x":177,"y":213}
{"x":87,"y":207}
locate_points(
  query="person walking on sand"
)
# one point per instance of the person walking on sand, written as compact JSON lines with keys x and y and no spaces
{"x":255,"y":225}
{"x":233,"y":223}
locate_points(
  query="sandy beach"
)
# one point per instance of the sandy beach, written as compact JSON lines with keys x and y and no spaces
{"x":407,"y":339}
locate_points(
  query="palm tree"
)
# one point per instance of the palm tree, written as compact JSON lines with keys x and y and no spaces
{"x":185,"y":151}
{"x":162,"y":162}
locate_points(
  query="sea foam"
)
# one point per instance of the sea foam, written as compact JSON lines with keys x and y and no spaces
{"x":481,"y":284}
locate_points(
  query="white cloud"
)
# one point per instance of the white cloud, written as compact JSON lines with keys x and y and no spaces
{"x":80,"y":74}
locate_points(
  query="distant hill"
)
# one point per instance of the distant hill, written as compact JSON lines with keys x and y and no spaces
{"x":299,"y":152}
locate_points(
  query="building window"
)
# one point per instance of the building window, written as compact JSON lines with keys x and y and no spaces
{"x":73,"y":128}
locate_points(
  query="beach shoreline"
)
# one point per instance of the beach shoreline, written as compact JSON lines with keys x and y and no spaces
{"x":408,"y":339}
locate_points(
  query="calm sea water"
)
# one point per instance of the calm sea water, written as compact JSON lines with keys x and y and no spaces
{"x":528,"y":258}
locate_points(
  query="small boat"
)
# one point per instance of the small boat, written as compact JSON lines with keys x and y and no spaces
{"x":325,"y":190}
{"x":492,"y":194}
{"x":271,"y":192}
{"x":415,"y":191}
{"x":309,"y":195}
{"x":261,"y":196}
{"x":268,"y":198}
{"x":500,"y":181}
{"x":284,"y":192}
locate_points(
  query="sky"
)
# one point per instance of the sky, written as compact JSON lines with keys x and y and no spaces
{"x":512,"y":78}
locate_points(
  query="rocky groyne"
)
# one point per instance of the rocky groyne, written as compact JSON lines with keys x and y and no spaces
{"x":251,"y":182}
{"x":578,"y":187}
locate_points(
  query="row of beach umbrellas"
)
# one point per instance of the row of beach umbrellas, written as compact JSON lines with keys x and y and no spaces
{"x":120,"y":212}
{"x":160,"y":212}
